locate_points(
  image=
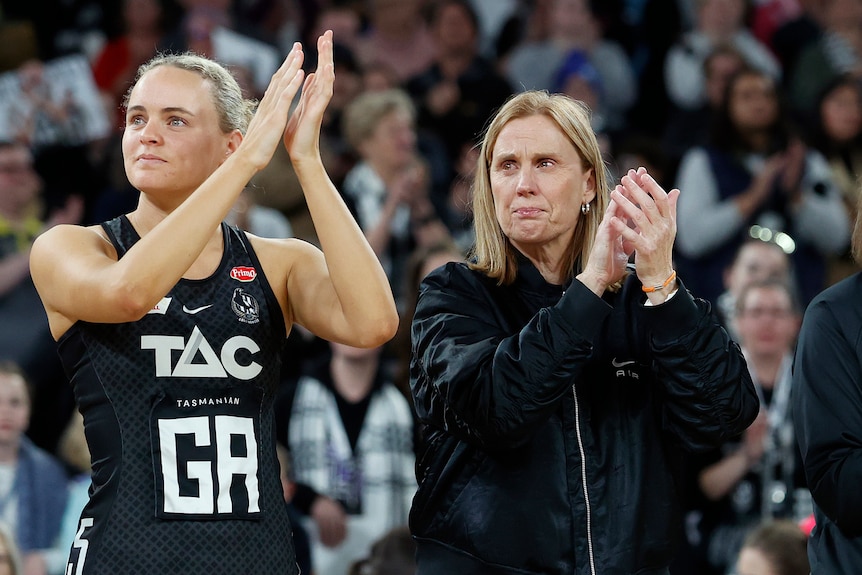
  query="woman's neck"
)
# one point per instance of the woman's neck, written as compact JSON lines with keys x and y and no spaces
{"x":547,"y":261}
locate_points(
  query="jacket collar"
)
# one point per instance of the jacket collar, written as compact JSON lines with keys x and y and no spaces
{"x":529,"y":279}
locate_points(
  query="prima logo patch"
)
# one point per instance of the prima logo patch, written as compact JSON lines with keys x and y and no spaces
{"x":243,"y":273}
{"x":245,"y":306}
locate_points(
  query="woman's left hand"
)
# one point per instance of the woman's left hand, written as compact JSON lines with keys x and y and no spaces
{"x":652,"y":215}
{"x":610,"y":253}
{"x":302,"y":134}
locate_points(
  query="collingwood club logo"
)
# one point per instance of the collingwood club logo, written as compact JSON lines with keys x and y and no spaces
{"x":245,"y":306}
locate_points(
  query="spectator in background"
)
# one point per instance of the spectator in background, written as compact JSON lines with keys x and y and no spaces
{"x":388,"y":189}
{"x":574,"y":27}
{"x":459,"y":200}
{"x":115,"y":66}
{"x":66,"y":27}
{"x":24,"y":335}
{"x":766,"y":16}
{"x":758,"y":475}
{"x":688,"y":128}
{"x":42,"y":115}
{"x":461,"y":89}
{"x":378,"y":77}
{"x":827,"y":409}
{"x":75,"y":456}
{"x":247,"y":214}
{"x":837,"y":51}
{"x":344,"y":21}
{"x":398,"y":37}
{"x":646,"y":31}
{"x":33,"y":488}
{"x":796,"y":34}
{"x":774,"y":548}
{"x":20,"y":213}
{"x":528,"y":22}
{"x":756,"y":172}
{"x":423,"y":261}
{"x":717,"y":22}
{"x":350,"y":439}
{"x":835,"y":130}
{"x":640,"y":150}
{"x":348,"y":85}
{"x":755,"y":261}
{"x":301,"y":544}
{"x":278,"y":22}
{"x":209,"y":28}
{"x":578,"y":79}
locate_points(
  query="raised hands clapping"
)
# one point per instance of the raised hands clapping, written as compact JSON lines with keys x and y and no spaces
{"x":640,"y":220}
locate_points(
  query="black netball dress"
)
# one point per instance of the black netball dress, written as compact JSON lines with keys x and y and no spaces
{"x":178,"y":414}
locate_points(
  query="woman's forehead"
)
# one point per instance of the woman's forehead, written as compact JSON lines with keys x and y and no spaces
{"x":536,"y":134}
{"x":170,"y":86}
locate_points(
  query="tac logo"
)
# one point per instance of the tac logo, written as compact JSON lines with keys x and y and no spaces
{"x":199,"y":359}
{"x":243,"y":273}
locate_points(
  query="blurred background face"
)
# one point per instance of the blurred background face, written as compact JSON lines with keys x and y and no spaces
{"x":753,"y":562}
{"x":453,"y":30}
{"x":571,"y":17}
{"x":841,"y":113}
{"x":14,"y":408}
{"x":395,"y":16}
{"x":755,"y":263}
{"x":19,"y":183}
{"x":143,"y":14}
{"x":766,"y":322}
{"x":719,"y":69}
{"x":344,"y":23}
{"x":753,"y":104}
{"x":722,"y":16}
{"x":393,"y":142}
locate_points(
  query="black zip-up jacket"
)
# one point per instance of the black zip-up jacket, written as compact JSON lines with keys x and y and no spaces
{"x":555,"y":422}
{"x":827,"y":412}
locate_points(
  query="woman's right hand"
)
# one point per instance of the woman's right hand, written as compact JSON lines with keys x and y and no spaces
{"x":302,"y":134}
{"x":268,"y":124}
{"x":610,"y":252}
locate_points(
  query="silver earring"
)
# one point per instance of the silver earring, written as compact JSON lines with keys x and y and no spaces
{"x":585,"y":208}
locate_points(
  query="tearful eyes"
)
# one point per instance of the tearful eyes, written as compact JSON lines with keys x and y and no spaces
{"x":511,"y":164}
{"x":174,"y":121}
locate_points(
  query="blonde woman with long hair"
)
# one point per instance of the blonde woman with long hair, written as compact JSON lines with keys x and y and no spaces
{"x":557,"y":385}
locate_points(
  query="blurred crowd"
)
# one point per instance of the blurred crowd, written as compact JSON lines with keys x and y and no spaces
{"x":752,"y":108}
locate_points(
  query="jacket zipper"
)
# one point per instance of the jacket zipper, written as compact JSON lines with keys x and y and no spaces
{"x":584,"y":483}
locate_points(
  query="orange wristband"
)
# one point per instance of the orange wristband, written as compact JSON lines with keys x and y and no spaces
{"x":670,"y":279}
